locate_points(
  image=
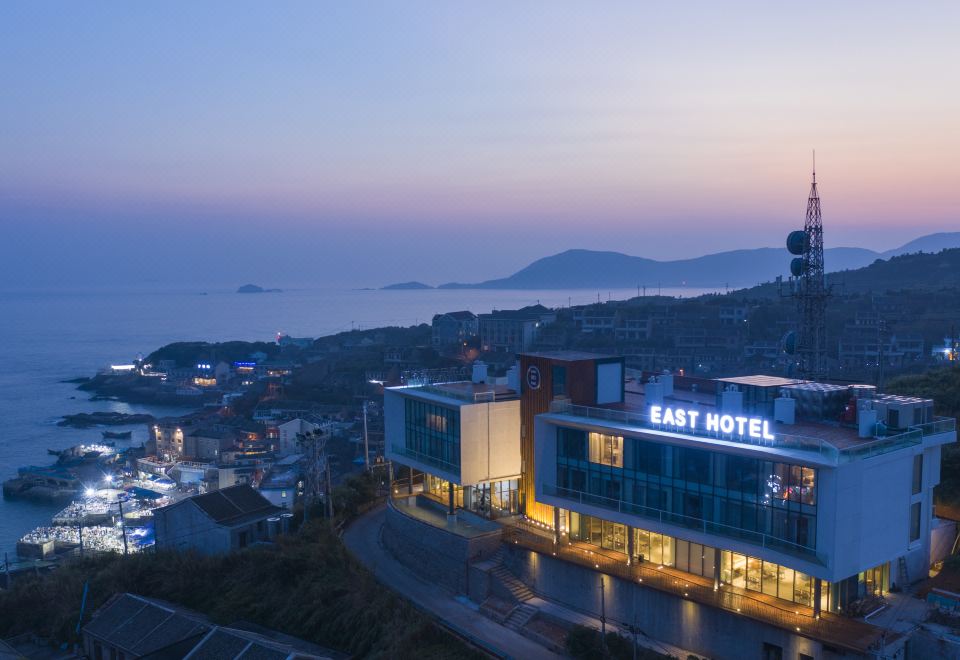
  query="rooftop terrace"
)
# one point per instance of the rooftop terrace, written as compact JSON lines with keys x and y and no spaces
{"x":830,"y":443}
{"x":465,"y":391}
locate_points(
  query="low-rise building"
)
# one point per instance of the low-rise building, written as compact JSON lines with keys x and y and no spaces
{"x":129,"y":626}
{"x":513,"y":331}
{"x":288,"y":435}
{"x":463,"y":436}
{"x":454,"y":328}
{"x":220,"y":521}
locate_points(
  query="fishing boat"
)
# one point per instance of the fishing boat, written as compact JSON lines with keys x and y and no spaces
{"x":118,"y":435}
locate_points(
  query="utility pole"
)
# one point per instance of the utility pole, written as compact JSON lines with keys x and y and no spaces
{"x":314,"y":445}
{"x":329,"y":492}
{"x":6,"y":570}
{"x":80,"y":529}
{"x":366,"y":441}
{"x":123,"y":525}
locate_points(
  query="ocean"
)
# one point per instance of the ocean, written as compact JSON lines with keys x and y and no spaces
{"x":52,"y":337}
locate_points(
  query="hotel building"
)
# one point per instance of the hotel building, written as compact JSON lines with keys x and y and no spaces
{"x":773,"y":495}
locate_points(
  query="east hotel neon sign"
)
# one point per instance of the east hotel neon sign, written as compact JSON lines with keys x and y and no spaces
{"x":752,"y":427}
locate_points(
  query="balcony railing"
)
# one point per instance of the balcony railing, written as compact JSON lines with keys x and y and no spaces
{"x":834,"y":629}
{"x":486,"y":396}
{"x":699,"y":524}
{"x":869,"y":447}
{"x":641,"y":420}
{"x":425,"y":458}
{"x":937,"y":426}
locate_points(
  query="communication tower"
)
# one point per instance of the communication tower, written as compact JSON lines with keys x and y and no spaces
{"x":809,"y":289}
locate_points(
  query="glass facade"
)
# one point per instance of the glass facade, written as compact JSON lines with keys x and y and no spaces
{"x":491,"y":500}
{"x":766,"y":577}
{"x":757,"y":500}
{"x":432,"y":434}
{"x":738,"y":570}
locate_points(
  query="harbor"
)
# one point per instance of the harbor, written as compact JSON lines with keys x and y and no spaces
{"x":110,"y":507}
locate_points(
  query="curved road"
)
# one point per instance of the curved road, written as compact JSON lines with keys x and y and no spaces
{"x":362,"y":539}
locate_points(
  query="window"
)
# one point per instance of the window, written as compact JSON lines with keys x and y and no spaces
{"x":437,"y":422}
{"x":606,"y":449}
{"x":741,"y":496}
{"x":772,"y":652}
{"x":432,"y":434}
{"x":917,"y":473}
{"x":571,"y":444}
{"x":915,"y":522}
{"x":559,"y":381}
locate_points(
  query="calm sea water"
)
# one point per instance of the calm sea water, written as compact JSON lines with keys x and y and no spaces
{"x":50,"y":337}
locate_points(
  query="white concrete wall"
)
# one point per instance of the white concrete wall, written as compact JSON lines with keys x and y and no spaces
{"x":870,"y":504}
{"x":609,"y":382}
{"x":287,"y":435}
{"x":489,"y":442}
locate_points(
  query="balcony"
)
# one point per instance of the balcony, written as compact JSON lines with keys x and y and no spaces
{"x":698,"y":524}
{"x":849,"y":634}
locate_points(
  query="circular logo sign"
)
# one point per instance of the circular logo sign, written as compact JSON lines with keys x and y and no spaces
{"x":533,"y":377}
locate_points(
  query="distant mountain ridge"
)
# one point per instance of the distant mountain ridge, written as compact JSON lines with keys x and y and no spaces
{"x":735,"y":268}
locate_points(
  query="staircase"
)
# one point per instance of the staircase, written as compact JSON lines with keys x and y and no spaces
{"x":520,"y":592}
{"x":520,"y":616}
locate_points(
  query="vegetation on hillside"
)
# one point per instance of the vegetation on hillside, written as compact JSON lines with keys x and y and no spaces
{"x":189,"y":353}
{"x":584,"y":643}
{"x":943,"y":386}
{"x":305,"y":585}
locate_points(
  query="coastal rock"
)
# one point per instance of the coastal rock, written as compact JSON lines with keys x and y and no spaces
{"x":253,"y":288}
{"x":406,"y":286}
{"x":86,"y":420}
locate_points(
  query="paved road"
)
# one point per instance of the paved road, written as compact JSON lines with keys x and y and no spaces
{"x":362,"y":539}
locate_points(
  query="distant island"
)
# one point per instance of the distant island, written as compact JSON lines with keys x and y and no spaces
{"x":406,"y":286}
{"x":591,"y":269}
{"x":253,"y":288}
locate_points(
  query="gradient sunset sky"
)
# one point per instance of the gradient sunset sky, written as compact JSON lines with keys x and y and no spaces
{"x":360,"y":143}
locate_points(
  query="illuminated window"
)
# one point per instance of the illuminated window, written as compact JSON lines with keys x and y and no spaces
{"x":437,"y":422}
{"x":606,"y":449}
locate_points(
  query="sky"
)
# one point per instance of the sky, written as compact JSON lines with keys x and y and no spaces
{"x":185,"y":144}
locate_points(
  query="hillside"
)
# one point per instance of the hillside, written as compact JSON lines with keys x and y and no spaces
{"x":920,"y":271}
{"x":735,"y":268}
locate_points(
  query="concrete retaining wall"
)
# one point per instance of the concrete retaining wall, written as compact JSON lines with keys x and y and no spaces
{"x":436,"y":554}
{"x":705,"y":630}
